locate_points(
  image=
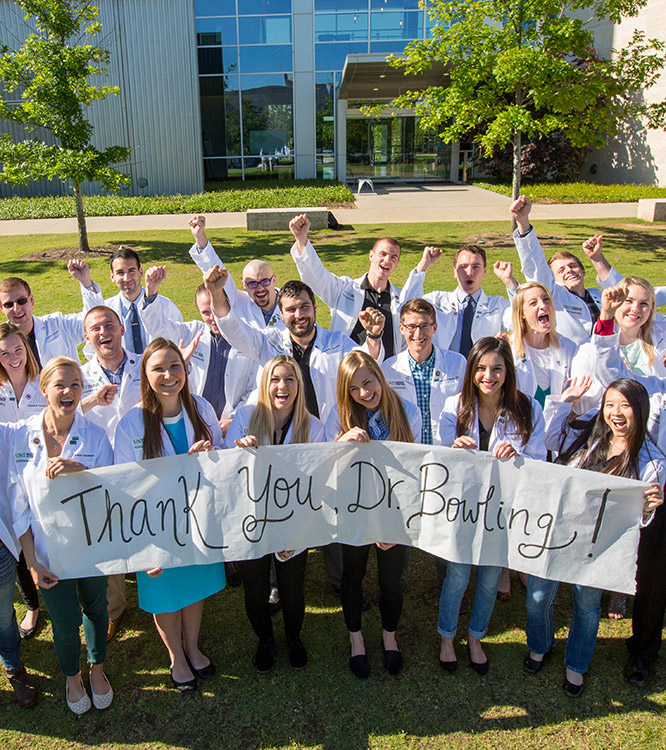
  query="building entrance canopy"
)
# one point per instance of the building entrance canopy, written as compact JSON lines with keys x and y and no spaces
{"x":370,"y":76}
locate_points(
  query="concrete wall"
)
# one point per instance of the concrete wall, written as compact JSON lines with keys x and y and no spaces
{"x":154,"y":62}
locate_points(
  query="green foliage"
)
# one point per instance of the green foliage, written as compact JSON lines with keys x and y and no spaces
{"x":528,"y":66}
{"x":305,"y":193}
{"x":577,"y":192}
{"x":47,"y":85}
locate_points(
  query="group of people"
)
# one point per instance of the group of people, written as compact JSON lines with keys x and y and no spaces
{"x":553,"y":371}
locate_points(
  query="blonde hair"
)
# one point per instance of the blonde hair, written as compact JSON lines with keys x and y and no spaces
{"x":262,"y":421}
{"x":55,"y":363}
{"x":31,"y":366}
{"x":520,"y":329}
{"x":353,"y":414}
{"x":645,"y":334}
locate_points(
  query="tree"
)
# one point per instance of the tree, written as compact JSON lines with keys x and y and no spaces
{"x":51,"y":73}
{"x":529,"y":67}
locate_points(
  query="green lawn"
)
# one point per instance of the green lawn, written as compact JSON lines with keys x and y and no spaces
{"x":324,"y":706}
{"x":576,"y":192}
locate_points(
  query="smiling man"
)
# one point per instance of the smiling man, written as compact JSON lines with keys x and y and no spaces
{"x":348,"y":297}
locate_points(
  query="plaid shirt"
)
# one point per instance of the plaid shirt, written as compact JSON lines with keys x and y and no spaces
{"x":422,"y":374}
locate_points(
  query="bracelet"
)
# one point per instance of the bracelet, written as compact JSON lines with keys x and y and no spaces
{"x":370,"y":336}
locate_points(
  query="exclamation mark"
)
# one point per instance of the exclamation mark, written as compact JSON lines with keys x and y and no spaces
{"x":600,"y":518}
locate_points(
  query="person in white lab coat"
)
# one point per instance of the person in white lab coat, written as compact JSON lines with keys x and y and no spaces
{"x":58,"y":441}
{"x":492,"y":415}
{"x":280,"y":417}
{"x":348,"y":297}
{"x":168,"y":422}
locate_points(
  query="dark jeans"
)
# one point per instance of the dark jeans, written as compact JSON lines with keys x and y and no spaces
{"x":256,"y":577}
{"x":25,"y":584}
{"x":650,"y":600}
{"x":390,"y":566}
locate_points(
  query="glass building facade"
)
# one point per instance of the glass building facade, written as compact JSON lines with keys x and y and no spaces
{"x":269,"y":79}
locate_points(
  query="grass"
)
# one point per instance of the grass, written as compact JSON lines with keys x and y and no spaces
{"x":577,"y":192}
{"x":324,"y":706}
{"x":224,"y":196}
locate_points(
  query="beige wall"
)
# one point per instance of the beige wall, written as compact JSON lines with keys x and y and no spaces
{"x":637,"y":154}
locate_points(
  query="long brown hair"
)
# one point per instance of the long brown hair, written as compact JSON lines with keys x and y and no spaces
{"x":514,"y":404}
{"x":353,"y":414}
{"x":262,"y":421}
{"x":31,"y":366}
{"x":153,"y":446}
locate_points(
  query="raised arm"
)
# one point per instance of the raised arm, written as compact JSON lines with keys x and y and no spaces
{"x":203,"y":253}
{"x":533,"y":261}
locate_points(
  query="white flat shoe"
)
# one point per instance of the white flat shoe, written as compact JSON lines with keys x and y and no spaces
{"x":78,"y":707}
{"x":102,"y":701}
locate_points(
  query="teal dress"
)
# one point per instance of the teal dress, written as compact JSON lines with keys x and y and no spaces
{"x":176,"y":588}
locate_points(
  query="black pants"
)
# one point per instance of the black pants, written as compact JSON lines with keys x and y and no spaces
{"x":390,"y":565}
{"x":25,"y":584}
{"x":650,"y":601}
{"x":256,"y":577}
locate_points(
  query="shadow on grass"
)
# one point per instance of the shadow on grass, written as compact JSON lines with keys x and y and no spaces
{"x":324,"y":705}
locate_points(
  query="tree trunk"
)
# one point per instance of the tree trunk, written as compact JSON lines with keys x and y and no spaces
{"x":515,"y":189}
{"x":84,"y":247}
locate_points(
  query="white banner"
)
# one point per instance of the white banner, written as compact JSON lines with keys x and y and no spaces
{"x":552,"y":521}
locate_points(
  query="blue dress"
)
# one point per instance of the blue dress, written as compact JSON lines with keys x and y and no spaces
{"x":176,"y":588}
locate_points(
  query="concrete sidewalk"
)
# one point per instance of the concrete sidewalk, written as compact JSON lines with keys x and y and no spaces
{"x":391,"y":204}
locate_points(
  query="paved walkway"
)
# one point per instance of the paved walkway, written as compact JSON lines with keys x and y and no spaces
{"x":389,"y":205}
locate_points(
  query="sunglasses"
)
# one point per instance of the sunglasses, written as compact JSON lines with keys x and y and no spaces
{"x":19,"y":301}
{"x":255,"y":284}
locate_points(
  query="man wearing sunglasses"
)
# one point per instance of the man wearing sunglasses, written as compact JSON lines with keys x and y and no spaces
{"x":257,"y":305}
{"x":50,"y":335}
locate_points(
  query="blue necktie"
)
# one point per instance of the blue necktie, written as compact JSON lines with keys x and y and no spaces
{"x":466,"y":334}
{"x":135,"y":327}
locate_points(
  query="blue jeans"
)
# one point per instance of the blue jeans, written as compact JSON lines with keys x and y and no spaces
{"x":584,"y":623}
{"x":453,"y":589}
{"x":10,"y":640}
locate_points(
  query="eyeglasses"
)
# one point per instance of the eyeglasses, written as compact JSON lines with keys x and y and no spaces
{"x":19,"y":301}
{"x":425,"y":327}
{"x":255,"y":284}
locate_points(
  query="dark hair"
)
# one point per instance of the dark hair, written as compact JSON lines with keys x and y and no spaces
{"x":201,"y":289}
{"x":124,"y":253}
{"x":12,"y":282}
{"x":515,"y":404}
{"x":390,"y":240}
{"x":474,"y":249}
{"x":152,"y":408}
{"x":591,"y":444}
{"x":102,"y":309}
{"x":294,"y":288}
{"x":419,"y":306}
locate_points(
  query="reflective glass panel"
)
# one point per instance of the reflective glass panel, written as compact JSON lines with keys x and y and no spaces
{"x":216,"y":31}
{"x":266,"y":59}
{"x":218,"y":59}
{"x":332,"y":56}
{"x":341,"y":5}
{"x":397,"y":47}
{"x":396,"y":25}
{"x":215,"y":7}
{"x":325,"y":103}
{"x":395,"y":4}
{"x":269,"y":30}
{"x":341,"y":27}
{"x":261,"y":7}
{"x":220,"y":115}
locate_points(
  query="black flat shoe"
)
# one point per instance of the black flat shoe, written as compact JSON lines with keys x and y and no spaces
{"x":298,"y":656}
{"x":636,"y":672}
{"x":190,"y":686}
{"x":392,"y":660}
{"x":482,"y":668}
{"x":27,"y":633}
{"x":532,"y":666}
{"x":449,"y":666}
{"x":205,"y":673}
{"x":359,"y":666}
{"x":264,"y":658}
{"x":571,"y":690}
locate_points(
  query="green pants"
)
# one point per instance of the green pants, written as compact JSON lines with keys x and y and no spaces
{"x":65,"y":603}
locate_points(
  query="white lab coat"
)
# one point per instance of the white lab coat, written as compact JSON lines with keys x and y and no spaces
{"x":58,"y":335}
{"x":447,"y":379}
{"x":129,"y":393}
{"x":239,"y":424}
{"x":504,"y":430}
{"x":492,"y":316}
{"x":240,"y":372}
{"x":572,"y":314}
{"x":32,"y":401}
{"x":128,"y":445}
{"x":86,"y":443}
{"x":560,"y":364}
{"x":167,"y":309}
{"x":345,"y":297}
{"x":246,"y":309}
{"x":413,"y":413}
{"x":7,"y":535}
{"x":327,"y":353}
